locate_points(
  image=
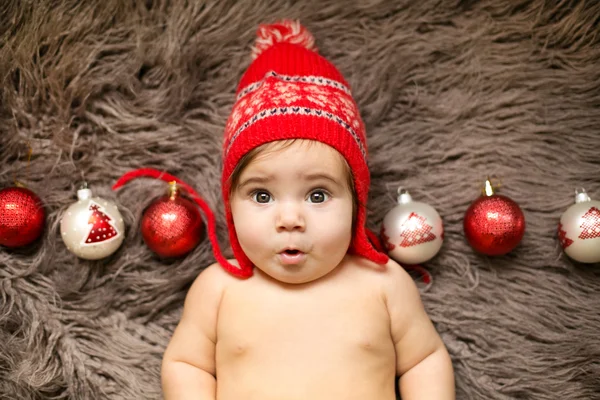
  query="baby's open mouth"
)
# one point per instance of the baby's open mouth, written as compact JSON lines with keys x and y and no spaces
{"x":292,"y":257}
{"x":292,"y":252}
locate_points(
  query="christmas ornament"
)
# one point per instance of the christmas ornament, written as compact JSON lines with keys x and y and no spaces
{"x":172,"y":225}
{"x":412,"y":232}
{"x":494,"y":224}
{"x":579,"y":229}
{"x":210,"y":218}
{"x":92,"y":228}
{"x":22,"y":217}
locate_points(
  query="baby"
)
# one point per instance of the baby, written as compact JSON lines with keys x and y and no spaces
{"x":309,"y":308}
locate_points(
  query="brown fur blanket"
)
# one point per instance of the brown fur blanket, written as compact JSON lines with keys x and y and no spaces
{"x":450,"y":91}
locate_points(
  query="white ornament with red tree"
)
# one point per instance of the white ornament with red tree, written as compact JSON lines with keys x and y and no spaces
{"x":412,"y":231}
{"x":579,"y":229}
{"x":93,"y":227}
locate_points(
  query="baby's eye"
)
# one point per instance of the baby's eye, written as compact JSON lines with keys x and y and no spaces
{"x":318,"y":196}
{"x":260,"y":196}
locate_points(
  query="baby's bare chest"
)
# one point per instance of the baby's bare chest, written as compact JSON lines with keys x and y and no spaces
{"x":341,"y":323}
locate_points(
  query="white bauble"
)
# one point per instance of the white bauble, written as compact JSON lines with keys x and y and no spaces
{"x":579,"y":229}
{"x":412,"y":231}
{"x":93,"y":227}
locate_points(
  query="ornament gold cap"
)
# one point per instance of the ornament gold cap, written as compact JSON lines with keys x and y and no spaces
{"x":173,"y":190}
{"x":581,"y":195}
{"x":490,"y":187}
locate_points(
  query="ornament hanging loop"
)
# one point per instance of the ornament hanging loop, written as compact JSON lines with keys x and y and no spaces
{"x":401,"y":190}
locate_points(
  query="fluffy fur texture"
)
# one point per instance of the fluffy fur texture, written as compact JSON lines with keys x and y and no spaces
{"x":450,"y":91}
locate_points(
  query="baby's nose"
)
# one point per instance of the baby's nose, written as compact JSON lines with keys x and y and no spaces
{"x":290,"y":217}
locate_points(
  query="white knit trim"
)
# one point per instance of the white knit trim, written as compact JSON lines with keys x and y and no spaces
{"x":286,"y":31}
{"x":296,"y":110}
{"x":315,"y":80}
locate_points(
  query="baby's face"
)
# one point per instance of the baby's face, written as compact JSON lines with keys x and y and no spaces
{"x":292,"y":212}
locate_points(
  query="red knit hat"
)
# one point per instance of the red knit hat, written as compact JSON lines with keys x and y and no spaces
{"x":291,"y":92}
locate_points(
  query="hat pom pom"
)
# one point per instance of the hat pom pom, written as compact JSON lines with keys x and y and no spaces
{"x":285,"y":31}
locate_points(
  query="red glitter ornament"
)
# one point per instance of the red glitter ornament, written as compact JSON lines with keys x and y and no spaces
{"x":22,"y":217}
{"x":172,"y":225}
{"x":207,"y":212}
{"x":494,"y":224}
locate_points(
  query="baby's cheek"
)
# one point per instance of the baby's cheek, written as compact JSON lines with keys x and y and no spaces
{"x":243,"y":229}
{"x":242,"y":224}
{"x":336,"y":230}
{"x":252,"y":234}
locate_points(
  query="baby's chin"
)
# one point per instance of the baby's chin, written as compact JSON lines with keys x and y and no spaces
{"x":293,"y":275}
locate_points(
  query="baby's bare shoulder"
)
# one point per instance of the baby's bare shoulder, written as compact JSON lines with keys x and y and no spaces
{"x":393,"y":282}
{"x":211,"y":282}
{"x":215,"y":273}
{"x":390,"y":275}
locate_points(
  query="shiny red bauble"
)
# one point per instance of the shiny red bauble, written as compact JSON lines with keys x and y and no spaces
{"x":172,"y":226}
{"x":494,"y":224}
{"x":22,"y":217}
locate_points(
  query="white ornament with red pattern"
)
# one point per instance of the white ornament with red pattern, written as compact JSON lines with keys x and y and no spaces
{"x":412,"y":232}
{"x":93,"y":227}
{"x":579,"y":229}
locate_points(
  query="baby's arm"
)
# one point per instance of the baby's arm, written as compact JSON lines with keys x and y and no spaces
{"x":188,"y":367}
{"x":422,"y":360}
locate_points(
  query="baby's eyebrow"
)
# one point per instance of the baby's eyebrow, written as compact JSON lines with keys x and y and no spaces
{"x":262,"y":179}
{"x":320,"y":175}
{"x":255,"y":179}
